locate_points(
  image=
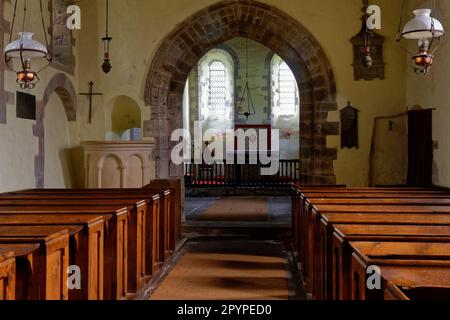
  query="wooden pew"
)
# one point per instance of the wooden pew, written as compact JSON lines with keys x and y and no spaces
{"x":174,"y":184}
{"x":429,"y":200}
{"x":353,"y":193}
{"x":305,"y":203}
{"x":314,"y":215}
{"x":86,"y":247}
{"x":377,"y":195}
{"x":415,"y":283}
{"x":7,"y":276}
{"x":115,"y":246}
{"x":371,"y":190}
{"x":24,"y":259}
{"x":413,"y":254}
{"x":332,"y":279}
{"x":156,"y":186}
{"x":407,"y":198}
{"x":136,"y":234}
{"x":170,"y":214}
{"x":49,"y":264}
{"x":157,"y":221}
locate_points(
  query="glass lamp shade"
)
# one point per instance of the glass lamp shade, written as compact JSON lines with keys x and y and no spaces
{"x":421,"y":26}
{"x":31,"y":49}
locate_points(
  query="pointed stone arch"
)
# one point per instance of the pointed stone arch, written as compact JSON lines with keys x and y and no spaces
{"x":210,"y":27}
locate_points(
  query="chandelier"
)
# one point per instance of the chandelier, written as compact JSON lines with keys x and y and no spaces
{"x":25,"y":49}
{"x":427,"y":31}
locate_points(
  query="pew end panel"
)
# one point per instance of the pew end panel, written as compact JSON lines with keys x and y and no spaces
{"x":7,"y":276}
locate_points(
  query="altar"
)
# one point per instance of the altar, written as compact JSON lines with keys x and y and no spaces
{"x":118,"y":164}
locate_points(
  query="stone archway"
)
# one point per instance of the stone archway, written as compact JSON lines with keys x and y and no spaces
{"x":210,"y":27}
{"x":63,"y":87}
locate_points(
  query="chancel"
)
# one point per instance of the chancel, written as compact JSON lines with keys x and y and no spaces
{"x":230,"y":150}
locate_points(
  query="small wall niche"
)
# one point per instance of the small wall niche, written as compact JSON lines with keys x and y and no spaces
{"x":125,"y":115}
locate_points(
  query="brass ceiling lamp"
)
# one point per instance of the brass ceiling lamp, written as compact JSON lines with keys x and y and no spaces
{"x":250,"y":110}
{"x":106,"y":66}
{"x":427,"y":30}
{"x":25,"y":49}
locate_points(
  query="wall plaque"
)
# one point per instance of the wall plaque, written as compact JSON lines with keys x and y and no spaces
{"x":26,"y":106}
{"x":349,"y":127}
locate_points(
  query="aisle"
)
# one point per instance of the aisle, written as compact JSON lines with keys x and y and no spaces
{"x":219,"y":269}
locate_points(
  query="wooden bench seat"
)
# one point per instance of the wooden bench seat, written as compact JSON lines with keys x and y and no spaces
{"x":337,"y":257}
{"x":415,"y":283}
{"x":175,"y":185}
{"x":428,"y":201}
{"x":301,"y":220}
{"x":313,"y":220}
{"x":165,"y":239}
{"x":326,"y":220}
{"x":136,"y":228}
{"x":371,"y":190}
{"x":413,"y":254}
{"x":155,"y":239}
{"x":169,"y":209}
{"x":157,"y":185}
{"x":7,"y":276}
{"x":170,"y":188}
{"x":115,"y":245}
{"x":86,"y":247}
{"x":24,"y":260}
{"x":378,"y":195}
{"x":48,"y":274}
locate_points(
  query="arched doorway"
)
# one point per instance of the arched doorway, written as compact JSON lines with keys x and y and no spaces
{"x":208,"y":28}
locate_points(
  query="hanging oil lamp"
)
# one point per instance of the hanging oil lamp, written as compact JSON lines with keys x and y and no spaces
{"x":106,"y":66}
{"x":25,"y":49}
{"x":427,"y":31}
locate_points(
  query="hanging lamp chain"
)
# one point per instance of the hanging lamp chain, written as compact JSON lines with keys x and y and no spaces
{"x":49,"y":56}
{"x":107,"y":18}
{"x":250,"y":106}
{"x":398,"y":36}
{"x":107,"y":37}
{"x":368,"y":32}
{"x":45,"y":30}
{"x":23,"y":30}
{"x":8,"y":59}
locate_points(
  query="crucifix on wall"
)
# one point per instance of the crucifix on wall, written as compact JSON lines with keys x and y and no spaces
{"x":91,"y":93}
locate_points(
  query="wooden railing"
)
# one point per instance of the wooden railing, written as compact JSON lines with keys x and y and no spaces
{"x":237,"y":176}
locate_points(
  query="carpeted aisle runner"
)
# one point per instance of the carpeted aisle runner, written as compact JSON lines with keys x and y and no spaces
{"x":237,"y":209}
{"x":228,"y":270}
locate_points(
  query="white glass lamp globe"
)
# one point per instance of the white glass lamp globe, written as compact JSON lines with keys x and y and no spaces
{"x":31,"y":49}
{"x":421,"y":26}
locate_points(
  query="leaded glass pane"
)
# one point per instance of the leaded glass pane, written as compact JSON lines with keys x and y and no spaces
{"x":288,"y":90}
{"x":217,"y":95}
